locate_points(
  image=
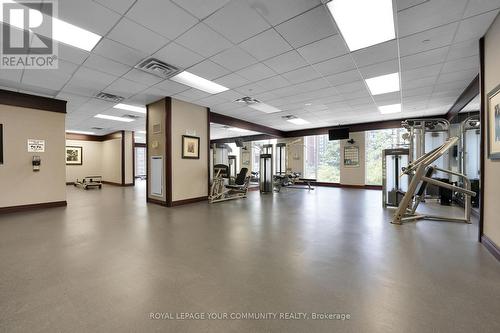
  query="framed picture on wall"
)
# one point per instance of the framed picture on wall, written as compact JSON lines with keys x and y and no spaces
{"x":493,"y":123}
{"x":74,"y":155}
{"x":190,"y":147}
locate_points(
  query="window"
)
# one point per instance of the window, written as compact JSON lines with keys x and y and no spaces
{"x":140,"y":161}
{"x":375,"y":142}
{"x":322,"y":159}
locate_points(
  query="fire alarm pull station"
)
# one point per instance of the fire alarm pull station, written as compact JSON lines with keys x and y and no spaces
{"x":36,"y":163}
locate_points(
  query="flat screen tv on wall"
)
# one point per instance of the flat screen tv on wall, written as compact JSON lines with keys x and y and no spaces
{"x":338,"y":133}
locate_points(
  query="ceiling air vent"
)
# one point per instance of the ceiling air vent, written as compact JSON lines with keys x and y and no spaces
{"x":97,"y":128}
{"x":289,"y":117}
{"x":247,"y":100}
{"x":109,"y":97}
{"x":158,"y":68}
{"x":131,"y":116}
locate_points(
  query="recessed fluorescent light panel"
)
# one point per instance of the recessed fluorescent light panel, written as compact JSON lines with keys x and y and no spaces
{"x":198,"y":82}
{"x":80,"y":132}
{"x":62,"y":31}
{"x":236,"y":129}
{"x":383,"y":84}
{"x":388,"y":109}
{"x":298,"y":121}
{"x":363,"y":23}
{"x":133,"y":108}
{"x":107,"y":117}
{"x":263,"y":107}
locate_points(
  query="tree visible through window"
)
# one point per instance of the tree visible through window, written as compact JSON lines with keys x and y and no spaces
{"x":375,"y":142}
{"x":322,"y":159}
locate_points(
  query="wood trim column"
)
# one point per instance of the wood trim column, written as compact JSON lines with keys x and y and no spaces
{"x":168,"y":150}
{"x":147,"y":153}
{"x":482,"y":117}
{"x":133,"y":158}
{"x":208,"y":150}
{"x":123,"y":157}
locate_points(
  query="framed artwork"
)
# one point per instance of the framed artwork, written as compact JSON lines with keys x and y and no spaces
{"x":190,"y":147}
{"x":351,"y":156}
{"x":493,"y":123}
{"x":74,"y":155}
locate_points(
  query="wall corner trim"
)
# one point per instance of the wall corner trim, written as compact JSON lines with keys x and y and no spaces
{"x":13,"y":98}
{"x":491,"y":246}
{"x":189,"y":201}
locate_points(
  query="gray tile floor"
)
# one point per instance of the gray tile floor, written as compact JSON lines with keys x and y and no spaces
{"x":108,"y":260}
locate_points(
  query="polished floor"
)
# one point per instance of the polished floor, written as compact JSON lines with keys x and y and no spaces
{"x":108,"y":260}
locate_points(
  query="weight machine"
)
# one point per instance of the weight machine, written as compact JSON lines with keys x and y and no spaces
{"x":219,"y":191}
{"x":420,"y":171}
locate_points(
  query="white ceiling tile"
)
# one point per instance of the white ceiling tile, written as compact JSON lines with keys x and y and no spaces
{"x":13,"y":75}
{"x":229,"y":95}
{"x":211,"y":101}
{"x":234,"y":59}
{"x":429,"y":14}
{"x":427,"y":40}
{"x":204,"y":40}
{"x":419,"y":83}
{"x":286,"y":62}
{"x":125,"y":88}
{"x":201,"y":8}
{"x":421,"y":72}
{"x":344,"y":77}
{"x":308,"y":27}
{"x":256,"y":72}
{"x":475,"y":27}
{"x":301,"y":75}
{"x":177,"y":55}
{"x":335,"y":65}
{"x":387,"y":67}
{"x":475,"y":7}
{"x":191,"y":95}
{"x":106,"y":65}
{"x":120,"y":6}
{"x":250,"y":89}
{"x":78,"y":12}
{"x":417,"y":92}
{"x":232,"y":80}
{"x":424,"y":59}
{"x":169,"y":88}
{"x":460,"y":76}
{"x":147,"y":79}
{"x":237,"y":21}
{"x":41,"y":78}
{"x":208,"y":70}
{"x":388,"y":99}
{"x":73,"y":101}
{"x":327,"y":48}
{"x":375,"y":54}
{"x":464,"y":49}
{"x":405,"y":4}
{"x":71,"y":54}
{"x":162,"y":16}
{"x":119,"y":52}
{"x":88,"y":82}
{"x":461,"y":64}
{"x":266,"y":45}
{"x":137,"y":37}
{"x":277,"y":11}
{"x":274,"y":82}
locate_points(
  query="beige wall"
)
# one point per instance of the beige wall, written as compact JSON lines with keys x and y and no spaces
{"x":492,"y":168}
{"x":111,"y":160}
{"x":353,"y":176}
{"x":156,"y":115}
{"x":189,"y":176}
{"x":20,"y":184}
{"x":129,"y":157}
{"x":91,"y":160}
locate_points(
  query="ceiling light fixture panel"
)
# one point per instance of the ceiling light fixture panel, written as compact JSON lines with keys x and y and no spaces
{"x":383,"y":84}
{"x":197,"y":82}
{"x":389,"y":109}
{"x":128,"y":107}
{"x":363,"y":23}
{"x":108,"y":117}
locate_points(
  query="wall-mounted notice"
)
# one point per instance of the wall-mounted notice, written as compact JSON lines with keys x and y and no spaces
{"x":36,"y":146}
{"x":351,"y":156}
{"x":157,"y":175}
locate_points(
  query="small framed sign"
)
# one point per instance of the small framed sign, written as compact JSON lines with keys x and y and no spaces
{"x":74,"y":155}
{"x":190,"y":147}
{"x":493,"y":123}
{"x":36,"y":146}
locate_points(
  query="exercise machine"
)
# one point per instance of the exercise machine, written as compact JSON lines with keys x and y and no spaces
{"x":89,"y":182}
{"x":420,"y":171}
{"x":292,"y":180}
{"x":220,"y":191}
{"x":394,"y":186}
{"x":281,"y":158}
{"x":266,"y":173}
{"x":469,"y":153}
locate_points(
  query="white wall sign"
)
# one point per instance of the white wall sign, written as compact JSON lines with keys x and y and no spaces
{"x":36,"y":146}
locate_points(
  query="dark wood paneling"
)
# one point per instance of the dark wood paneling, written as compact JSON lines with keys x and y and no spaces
{"x":31,"y":101}
{"x":112,"y":136}
{"x":482,"y":152}
{"x":168,"y":148}
{"x":123,"y":156}
{"x":87,"y":137}
{"x":467,"y":95}
{"x":21,"y":208}
{"x":156,"y":202}
{"x":208,"y":150}
{"x":147,"y":153}
{"x":235,"y":122}
{"x":188,"y":201}
{"x":133,"y":158}
{"x":491,"y":247}
{"x":140,"y":145}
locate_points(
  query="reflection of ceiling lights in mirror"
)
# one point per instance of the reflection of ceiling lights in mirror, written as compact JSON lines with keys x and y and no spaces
{"x":363,"y":23}
{"x":295,"y":120}
{"x":236,"y":129}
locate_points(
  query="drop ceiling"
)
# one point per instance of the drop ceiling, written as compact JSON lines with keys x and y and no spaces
{"x":219,"y":131}
{"x":286,"y":53}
